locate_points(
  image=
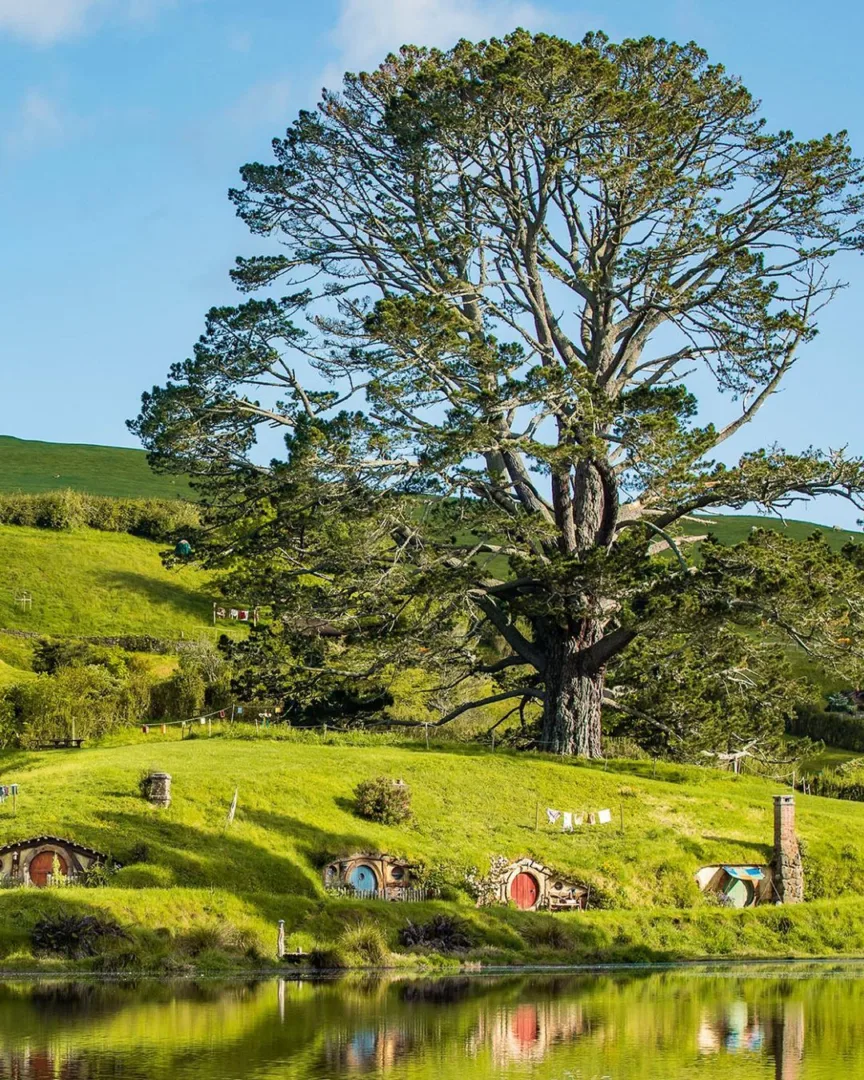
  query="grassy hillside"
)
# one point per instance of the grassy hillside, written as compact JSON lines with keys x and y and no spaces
{"x":296,"y":811}
{"x":733,"y":528}
{"x":96,"y":583}
{"x":31,"y":466}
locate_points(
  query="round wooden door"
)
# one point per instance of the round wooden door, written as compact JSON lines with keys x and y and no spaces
{"x":42,"y":867}
{"x":524,"y":891}
{"x":363,"y":878}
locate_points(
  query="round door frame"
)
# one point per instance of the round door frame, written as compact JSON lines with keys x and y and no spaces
{"x":52,"y":849}
{"x":532,"y":872}
{"x":366,"y":864}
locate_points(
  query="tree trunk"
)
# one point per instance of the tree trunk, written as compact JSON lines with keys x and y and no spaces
{"x":574,"y":695}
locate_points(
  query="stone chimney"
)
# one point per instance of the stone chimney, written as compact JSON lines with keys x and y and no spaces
{"x":788,"y":871}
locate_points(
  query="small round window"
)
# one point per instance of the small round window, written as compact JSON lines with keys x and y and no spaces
{"x":397,"y":873}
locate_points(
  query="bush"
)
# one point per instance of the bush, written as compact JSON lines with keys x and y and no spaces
{"x":179,"y":697}
{"x":384,"y":800}
{"x":73,"y":936}
{"x":547,"y":933}
{"x":365,"y":944}
{"x":153,"y":519}
{"x":442,"y":933}
{"x":844,"y":730}
{"x":88,"y":699}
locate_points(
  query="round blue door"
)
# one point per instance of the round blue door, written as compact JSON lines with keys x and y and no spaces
{"x":363,"y":878}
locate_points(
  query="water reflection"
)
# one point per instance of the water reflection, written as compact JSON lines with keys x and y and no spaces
{"x":620,"y":1026}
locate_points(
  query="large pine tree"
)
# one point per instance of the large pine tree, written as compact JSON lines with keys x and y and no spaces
{"x":491,"y":277}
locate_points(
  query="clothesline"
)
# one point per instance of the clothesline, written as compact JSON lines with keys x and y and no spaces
{"x":571,"y":819}
{"x":206,"y":718}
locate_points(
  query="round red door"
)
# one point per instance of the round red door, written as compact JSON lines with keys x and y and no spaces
{"x":42,"y":867}
{"x":524,"y":891}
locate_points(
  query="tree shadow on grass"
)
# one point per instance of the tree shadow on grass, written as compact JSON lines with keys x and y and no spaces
{"x":318,"y":846}
{"x":764,"y":851}
{"x":199,"y":858}
{"x":158,"y":591}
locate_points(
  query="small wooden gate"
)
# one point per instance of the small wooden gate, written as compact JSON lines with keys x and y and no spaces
{"x":524,"y":891}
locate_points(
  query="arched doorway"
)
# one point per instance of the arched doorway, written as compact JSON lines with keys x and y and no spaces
{"x":524,"y":891}
{"x":363,"y":878}
{"x":42,"y":867}
{"x":738,"y":893}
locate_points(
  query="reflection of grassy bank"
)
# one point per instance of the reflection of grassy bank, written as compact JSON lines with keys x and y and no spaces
{"x":187,"y":930}
{"x":661,"y":1025}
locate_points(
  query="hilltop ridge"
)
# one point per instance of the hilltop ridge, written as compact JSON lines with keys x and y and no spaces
{"x":31,"y":466}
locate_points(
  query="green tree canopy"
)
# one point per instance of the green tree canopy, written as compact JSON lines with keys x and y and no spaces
{"x":491,"y":276}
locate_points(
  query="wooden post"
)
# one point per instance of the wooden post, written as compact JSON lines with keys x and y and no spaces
{"x":280,"y":939}
{"x":426,"y":728}
{"x":209,"y":727}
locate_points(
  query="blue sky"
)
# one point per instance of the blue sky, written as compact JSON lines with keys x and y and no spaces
{"x":123,"y":124}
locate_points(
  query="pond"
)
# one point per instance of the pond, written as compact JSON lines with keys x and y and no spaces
{"x":797,"y":1022}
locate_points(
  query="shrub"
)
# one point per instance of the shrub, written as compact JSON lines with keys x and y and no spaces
{"x":845,"y":730}
{"x":218,"y":937}
{"x":179,"y":697}
{"x":383,"y":800}
{"x":365,"y":944}
{"x":442,"y":933}
{"x":547,"y":933}
{"x":153,"y":519}
{"x":73,"y":936}
{"x":90,"y":699}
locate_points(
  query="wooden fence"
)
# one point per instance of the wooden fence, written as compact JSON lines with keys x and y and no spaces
{"x":411,"y":895}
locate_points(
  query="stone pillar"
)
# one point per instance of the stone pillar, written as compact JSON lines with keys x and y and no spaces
{"x":788,"y":871}
{"x":157,"y":788}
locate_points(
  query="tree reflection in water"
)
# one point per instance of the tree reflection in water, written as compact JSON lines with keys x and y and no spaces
{"x":672,"y":1024}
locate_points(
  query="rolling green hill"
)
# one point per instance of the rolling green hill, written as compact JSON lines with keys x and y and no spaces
{"x":90,"y":583}
{"x":733,"y":528}
{"x":30,"y":466}
{"x":185,"y":869}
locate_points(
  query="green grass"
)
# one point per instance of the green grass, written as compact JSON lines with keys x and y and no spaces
{"x":31,"y":466}
{"x":733,"y":528}
{"x":296,"y":812}
{"x":91,"y":583}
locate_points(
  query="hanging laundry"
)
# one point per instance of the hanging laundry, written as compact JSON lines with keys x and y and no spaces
{"x":552,"y":816}
{"x":604,"y":817}
{"x":592,"y":819}
{"x":567,"y":826}
{"x":578,"y":819}
{"x":233,"y":613}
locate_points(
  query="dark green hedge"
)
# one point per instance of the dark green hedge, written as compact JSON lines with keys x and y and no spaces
{"x":154,"y":519}
{"x":843,"y":730}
